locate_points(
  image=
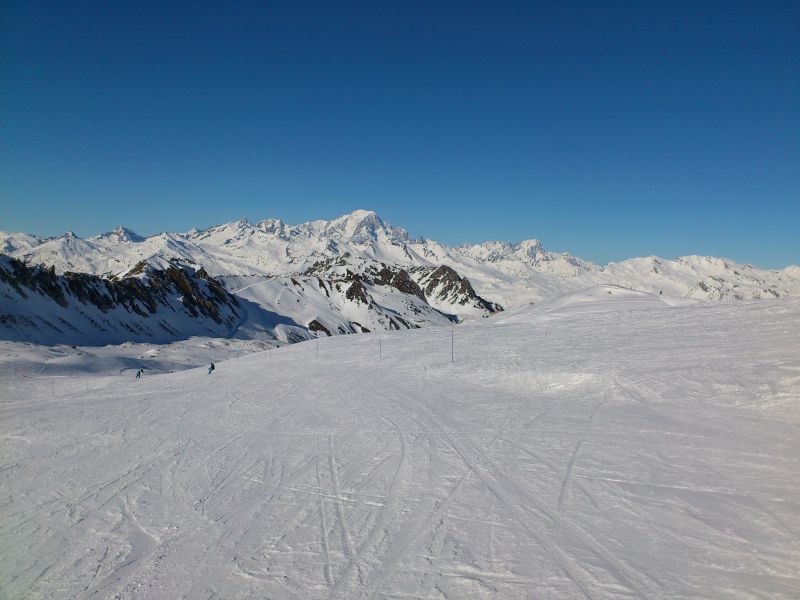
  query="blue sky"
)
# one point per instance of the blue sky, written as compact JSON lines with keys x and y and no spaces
{"x":605,"y":129}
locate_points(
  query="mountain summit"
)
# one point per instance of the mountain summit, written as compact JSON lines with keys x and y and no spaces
{"x":122,"y":234}
{"x":351,"y":274}
{"x":510,"y":274}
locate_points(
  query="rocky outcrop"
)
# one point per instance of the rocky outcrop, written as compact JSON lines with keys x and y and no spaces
{"x":316,"y":326}
{"x":444,"y":285}
{"x":150,"y":302}
{"x":400,"y":280}
{"x":42,"y":280}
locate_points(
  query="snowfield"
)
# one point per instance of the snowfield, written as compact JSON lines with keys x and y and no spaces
{"x":606,"y":444}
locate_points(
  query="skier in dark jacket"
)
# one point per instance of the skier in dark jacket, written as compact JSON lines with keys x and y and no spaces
{"x":211,"y":368}
{"x":139,"y":373}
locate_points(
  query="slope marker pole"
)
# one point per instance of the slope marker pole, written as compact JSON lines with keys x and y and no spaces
{"x":452,"y":343}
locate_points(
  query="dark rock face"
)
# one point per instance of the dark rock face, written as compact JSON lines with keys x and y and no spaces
{"x":449,"y":281}
{"x":445,"y":283}
{"x":196,"y":300}
{"x":394,"y":277}
{"x":317,"y":326}
{"x":399,"y":279}
{"x":357,"y":292}
{"x":200,"y":294}
{"x":38,"y":279}
{"x":321,"y":267}
{"x":428,"y":284}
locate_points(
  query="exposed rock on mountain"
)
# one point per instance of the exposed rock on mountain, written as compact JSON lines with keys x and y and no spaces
{"x":500,"y":272}
{"x":39,"y":305}
{"x":447,"y":290}
{"x":354,"y":273}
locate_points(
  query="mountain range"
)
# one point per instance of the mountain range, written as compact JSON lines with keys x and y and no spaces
{"x":351,"y":274}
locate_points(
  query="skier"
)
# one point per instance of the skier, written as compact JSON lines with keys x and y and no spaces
{"x":139,"y":374}
{"x":211,"y":368}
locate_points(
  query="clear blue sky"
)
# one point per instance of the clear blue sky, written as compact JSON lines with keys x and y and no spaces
{"x":605,"y":129}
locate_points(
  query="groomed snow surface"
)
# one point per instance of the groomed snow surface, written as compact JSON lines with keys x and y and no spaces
{"x":606,"y":445}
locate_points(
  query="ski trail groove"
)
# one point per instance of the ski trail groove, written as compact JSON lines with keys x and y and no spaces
{"x":387,"y":517}
{"x":509,"y":494}
{"x":346,"y":543}
{"x":326,"y":553}
{"x":562,"y":495}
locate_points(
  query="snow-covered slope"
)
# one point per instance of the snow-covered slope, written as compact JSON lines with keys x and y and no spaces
{"x":503,"y":273}
{"x":166,"y":300}
{"x":612,"y":447}
{"x":599,"y":298}
{"x":160,"y":305}
{"x":338,"y":305}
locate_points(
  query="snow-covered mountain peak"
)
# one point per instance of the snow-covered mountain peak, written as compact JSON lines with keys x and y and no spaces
{"x":358,"y":218}
{"x":509,"y":274}
{"x":69,"y":242}
{"x":121,"y":234}
{"x":527,"y":251}
{"x":273,"y":226}
{"x":361,"y":213}
{"x":362,"y":227}
{"x":793,"y":271}
{"x":369,"y":221}
{"x":531,"y":247}
{"x":223,"y":234}
{"x":16,"y":242}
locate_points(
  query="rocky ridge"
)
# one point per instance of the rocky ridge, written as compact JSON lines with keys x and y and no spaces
{"x":358,"y":273}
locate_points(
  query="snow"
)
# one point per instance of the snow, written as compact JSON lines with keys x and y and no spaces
{"x":33,"y":361}
{"x":510,"y":274}
{"x":600,"y":445}
{"x":40,"y":319}
{"x":599,"y":298}
{"x":304,"y":299}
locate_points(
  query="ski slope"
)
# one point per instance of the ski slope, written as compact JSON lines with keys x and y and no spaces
{"x":607,"y":445}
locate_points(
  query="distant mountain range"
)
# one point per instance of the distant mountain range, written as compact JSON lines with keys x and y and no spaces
{"x":351,"y":274}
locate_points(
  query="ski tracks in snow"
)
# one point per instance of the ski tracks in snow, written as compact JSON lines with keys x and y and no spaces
{"x":544,"y":467}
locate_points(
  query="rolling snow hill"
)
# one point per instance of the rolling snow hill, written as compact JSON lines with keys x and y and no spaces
{"x":600,"y":445}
